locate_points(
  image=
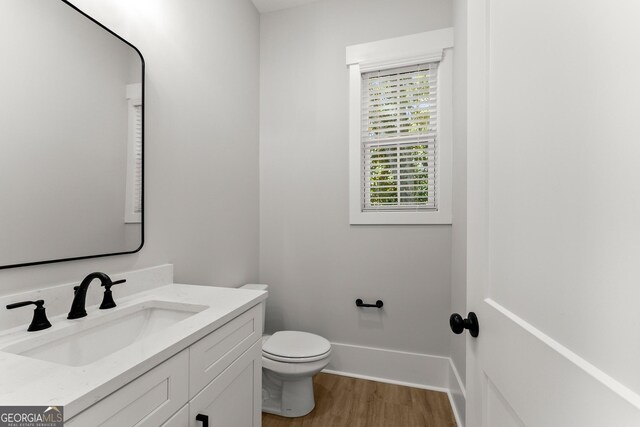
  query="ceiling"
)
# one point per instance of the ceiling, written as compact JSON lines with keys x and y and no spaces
{"x":265,"y":6}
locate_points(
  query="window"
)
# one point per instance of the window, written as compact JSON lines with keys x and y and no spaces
{"x":400,"y":130}
{"x":398,"y":138}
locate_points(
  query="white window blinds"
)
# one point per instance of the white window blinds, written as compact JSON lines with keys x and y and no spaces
{"x":137,"y":158}
{"x":399,"y":139}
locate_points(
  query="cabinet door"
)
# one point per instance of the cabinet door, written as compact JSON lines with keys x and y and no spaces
{"x":234,"y":398}
{"x":146,"y":401}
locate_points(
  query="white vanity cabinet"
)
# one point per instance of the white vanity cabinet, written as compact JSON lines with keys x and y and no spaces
{"x":234,"y":398}
{"x":218,"y":378}
{"x":149,"y":400}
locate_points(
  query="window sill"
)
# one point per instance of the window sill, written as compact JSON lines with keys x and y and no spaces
{"x":399,"y":218}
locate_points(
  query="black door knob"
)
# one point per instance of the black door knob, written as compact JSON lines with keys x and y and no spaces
{"x":458,"y":324}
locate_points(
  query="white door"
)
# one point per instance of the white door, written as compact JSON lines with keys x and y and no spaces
{"x":554,"y":213}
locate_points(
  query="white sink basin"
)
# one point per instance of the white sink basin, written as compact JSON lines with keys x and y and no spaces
{"x":91,"y":339}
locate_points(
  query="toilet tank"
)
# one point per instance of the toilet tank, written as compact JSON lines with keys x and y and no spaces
{"x":259,"y":287}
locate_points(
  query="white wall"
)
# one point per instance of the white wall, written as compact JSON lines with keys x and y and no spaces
{"x":459,"y":226}
{"x":201,"y":147}
{"x":316,"y":263}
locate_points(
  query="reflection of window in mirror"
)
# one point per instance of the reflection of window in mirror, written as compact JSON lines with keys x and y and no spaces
{"x":133,"y":204}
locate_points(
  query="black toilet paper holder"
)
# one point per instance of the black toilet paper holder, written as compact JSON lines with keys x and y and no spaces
{"x":378,"y":304}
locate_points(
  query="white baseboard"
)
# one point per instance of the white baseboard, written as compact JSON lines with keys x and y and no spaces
{"x":390,"y":366}
{"x":402,"y":368}
{"x":457,"y":394}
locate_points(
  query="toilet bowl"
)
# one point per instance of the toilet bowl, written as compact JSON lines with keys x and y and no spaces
{"x":290,"y":359}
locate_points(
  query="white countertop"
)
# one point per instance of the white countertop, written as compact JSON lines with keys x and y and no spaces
{"x":29,"y":381}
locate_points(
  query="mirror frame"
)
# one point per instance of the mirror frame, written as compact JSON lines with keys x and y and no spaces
{"x":81,"y":257}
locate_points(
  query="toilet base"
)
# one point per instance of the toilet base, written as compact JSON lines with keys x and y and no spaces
{"x":286,"y":396}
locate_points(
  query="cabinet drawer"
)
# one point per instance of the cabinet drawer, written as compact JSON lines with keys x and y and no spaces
{"x":234,"y":398}
{"x":215,"y":352}
{"x":180,"y":419}
{"x":147,"y":401}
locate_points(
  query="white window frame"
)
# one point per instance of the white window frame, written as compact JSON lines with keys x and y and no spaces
{"x":393,"y":53}
{"x":134,"y":99}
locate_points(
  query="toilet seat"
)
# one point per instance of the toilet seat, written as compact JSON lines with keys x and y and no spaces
{"x":295,"y":347}
{"x":295,"y":359}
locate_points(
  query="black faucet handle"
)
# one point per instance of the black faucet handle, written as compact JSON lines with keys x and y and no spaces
{"x":107,"y":299}
{"x":38,"y":303}
{"x":39,"y":321}
{"x":117,"y":282}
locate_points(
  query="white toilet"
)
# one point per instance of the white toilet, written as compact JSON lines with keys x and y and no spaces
{"x":289,"y":361}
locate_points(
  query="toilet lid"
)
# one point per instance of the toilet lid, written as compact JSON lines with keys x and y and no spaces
{"x":293,"y":344}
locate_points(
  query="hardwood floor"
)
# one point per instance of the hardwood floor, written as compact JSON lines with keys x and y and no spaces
{"x":350,"y":402}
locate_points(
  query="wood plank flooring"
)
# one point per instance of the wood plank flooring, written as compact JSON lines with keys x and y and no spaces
{"x":351,"y":402}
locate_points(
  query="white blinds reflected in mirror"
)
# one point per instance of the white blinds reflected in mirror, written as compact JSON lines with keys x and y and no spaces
{"x":133,"y":205}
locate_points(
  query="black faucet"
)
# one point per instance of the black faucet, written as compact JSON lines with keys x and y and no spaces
{"x":78,"y":306}
{"x":107,"y":298}
{"x":40,"y":320}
